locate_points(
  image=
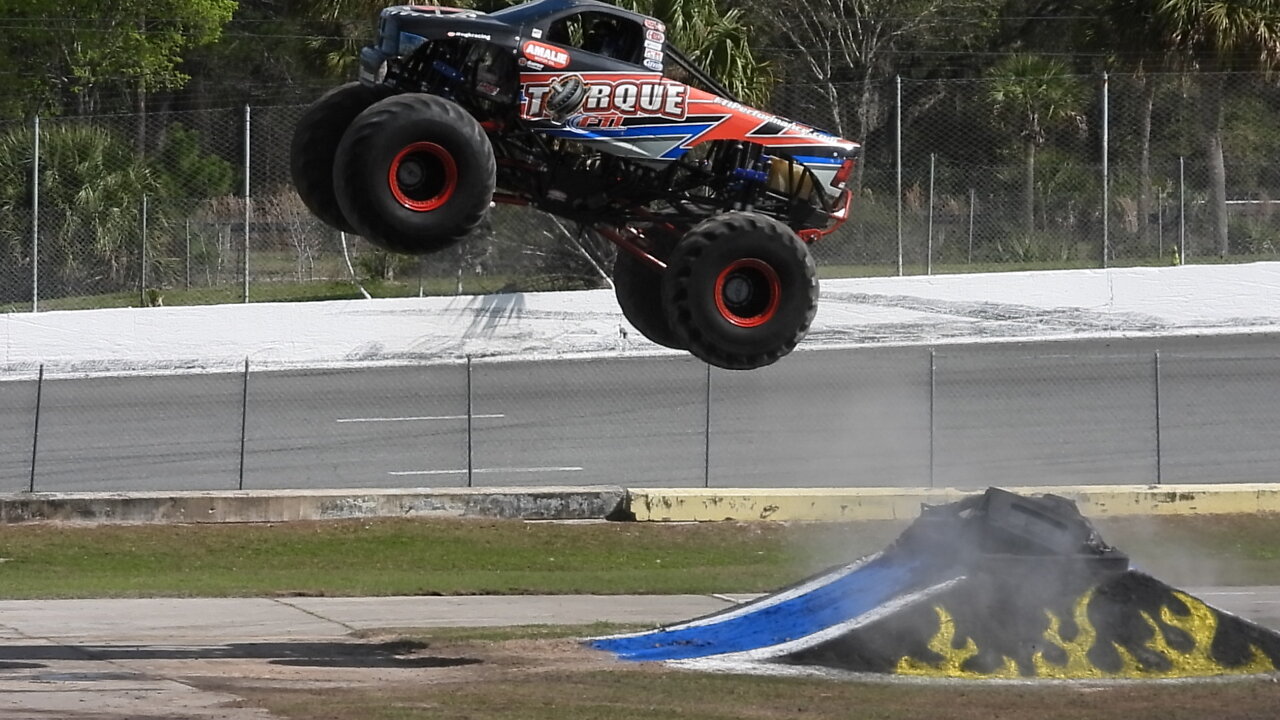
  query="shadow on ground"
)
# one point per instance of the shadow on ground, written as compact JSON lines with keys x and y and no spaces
{"x":399,"y":654}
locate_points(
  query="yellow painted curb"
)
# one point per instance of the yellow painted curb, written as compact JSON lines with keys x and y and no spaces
{"x":837,"y":504}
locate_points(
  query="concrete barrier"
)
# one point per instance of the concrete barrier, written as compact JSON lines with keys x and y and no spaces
{"x":603,"y":502}
{"x":543,"y":503}
{"x":847,"y":504}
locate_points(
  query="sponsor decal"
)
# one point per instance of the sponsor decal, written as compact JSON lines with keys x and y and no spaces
{"x":477,"y":36}
{"x":655,"y":36}
{"x":655,"y":65}
{"x":536,"y":32}
{"x":655,"y":55}
{"x":747,"y":110}
{"x":549,"y":55}
{"x":623,"y":97}
{"x":654,"y":25}
{"x":652,"y":45}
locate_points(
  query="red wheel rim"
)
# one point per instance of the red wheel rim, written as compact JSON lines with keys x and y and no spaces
{"x":423,"y":176}
{"x":748,"y":292}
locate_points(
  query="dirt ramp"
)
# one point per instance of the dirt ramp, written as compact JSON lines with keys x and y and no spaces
{"x":995,"y":586}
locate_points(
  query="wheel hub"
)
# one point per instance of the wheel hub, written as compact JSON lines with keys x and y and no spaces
{"x":423,"y":176}
{"x":748,"y":292}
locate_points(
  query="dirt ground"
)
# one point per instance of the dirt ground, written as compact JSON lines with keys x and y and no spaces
{"x":390,"y":675}
{"x":116,"y":682}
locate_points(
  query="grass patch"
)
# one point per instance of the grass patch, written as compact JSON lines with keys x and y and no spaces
{"x":399,"y":557}
{"x":458,"y":557}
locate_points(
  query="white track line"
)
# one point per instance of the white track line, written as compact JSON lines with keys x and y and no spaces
{"x":479,"y":471}
{"x":417,"y":418}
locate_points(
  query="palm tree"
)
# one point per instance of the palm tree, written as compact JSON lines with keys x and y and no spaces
{"x":1218,"y":36}
{"x":718,"y":40}
{"x":91,"y":189}
{"x":1032,"y":93}
{"x":349,"y":24}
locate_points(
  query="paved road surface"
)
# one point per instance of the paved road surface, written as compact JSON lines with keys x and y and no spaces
{"x":136,"y":658}
{"x":966,"y":416}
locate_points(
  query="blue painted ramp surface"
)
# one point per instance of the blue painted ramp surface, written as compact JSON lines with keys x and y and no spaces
{"x":809,"y":607}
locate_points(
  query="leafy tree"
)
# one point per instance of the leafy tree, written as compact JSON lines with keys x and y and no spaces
{"x":1218,"y":36}
{"x":80,"y":54}
{"x":853,"y":42}
{"x":183,"y":171}
{"x":1031,"y":93}
{"x":1136,"y":44}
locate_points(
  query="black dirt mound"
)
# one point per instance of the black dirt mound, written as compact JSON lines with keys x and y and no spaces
{"x":1041,"y":596}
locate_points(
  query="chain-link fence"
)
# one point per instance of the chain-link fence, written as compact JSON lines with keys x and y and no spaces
{"x":957,"y":175}
{"x":991,"y":173}
{"x":902,"y":417}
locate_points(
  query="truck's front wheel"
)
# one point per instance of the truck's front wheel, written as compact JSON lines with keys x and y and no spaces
{"x":414,"y":174}
{"x":740,"y":290}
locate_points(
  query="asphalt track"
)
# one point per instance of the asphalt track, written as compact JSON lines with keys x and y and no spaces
{"x":1075,"y":412}
{"x":135,"y":658}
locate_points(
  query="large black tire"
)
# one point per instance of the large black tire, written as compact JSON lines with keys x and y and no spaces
{"x":415,"y":174}
{"x":740,"y":290}
{"x":638,"y":286}
{"x":315,"y":142}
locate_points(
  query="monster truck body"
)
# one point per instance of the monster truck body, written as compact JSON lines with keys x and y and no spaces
{"x":585,"y":111}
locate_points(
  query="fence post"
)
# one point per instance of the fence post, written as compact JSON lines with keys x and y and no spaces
{"x":1159,"y":449}
{"x":35,"y":436}
{"x":706,"y":435}
{"x":246,"y":202}
{"x":971,"y":226}
{"x":929,"y":260}
{"x":35,"y":220}
{"x":1106,"y":189}
{"x":142,"y":252}
{"x":1182,"y":210}
{"x":1160,"y":225}
{"x":933,"y":393}
{"x":470,"y":443}
{"x":899,"y":163}
{"x":244,"y":418}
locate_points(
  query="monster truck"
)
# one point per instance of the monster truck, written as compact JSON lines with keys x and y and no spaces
{"x":585,"y":111}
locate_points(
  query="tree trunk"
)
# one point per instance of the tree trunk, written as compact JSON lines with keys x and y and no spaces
{"x":142,"y":120}
{"x":1029,"y":187}
{"x":1144,"y":170}
{"x":864,"y":130}
{"x":1217,"y":166}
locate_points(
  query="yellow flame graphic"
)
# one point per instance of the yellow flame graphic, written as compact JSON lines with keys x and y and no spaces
{"x":1078,"y":664}
{"x":953,"y":658}
{"x":1200,"y":623}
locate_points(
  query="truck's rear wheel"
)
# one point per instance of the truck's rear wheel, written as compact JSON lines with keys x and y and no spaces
{"x":414,"y":174}
{"x":638,"y":287}
{"x":315,"y":142}
{"x":740,"y":290}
